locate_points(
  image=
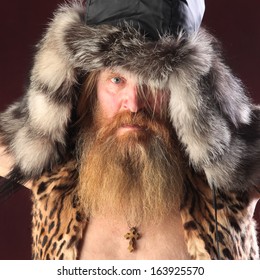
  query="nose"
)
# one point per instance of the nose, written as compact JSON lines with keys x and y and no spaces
{"x":132,"y":100}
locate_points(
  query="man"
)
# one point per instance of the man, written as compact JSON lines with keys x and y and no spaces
{"x":138,"y":140}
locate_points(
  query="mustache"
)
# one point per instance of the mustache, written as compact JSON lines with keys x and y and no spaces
{"x":148,"y":122}
{"x":140,"y":119}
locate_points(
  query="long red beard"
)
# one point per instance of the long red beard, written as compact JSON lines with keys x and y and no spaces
{"x":137,"y":173}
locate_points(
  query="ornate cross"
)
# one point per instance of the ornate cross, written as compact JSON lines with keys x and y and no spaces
{"x":133,"y":235}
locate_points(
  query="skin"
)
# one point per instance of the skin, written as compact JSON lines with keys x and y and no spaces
{"x":6,"y":162}
{"x":117,"y":91}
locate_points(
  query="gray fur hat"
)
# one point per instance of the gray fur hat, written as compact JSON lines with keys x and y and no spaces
{"x":180,"y":57}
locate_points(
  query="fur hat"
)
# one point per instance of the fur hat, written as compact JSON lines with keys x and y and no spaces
{"x":35,"y":129}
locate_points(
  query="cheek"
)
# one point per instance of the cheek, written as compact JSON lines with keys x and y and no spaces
{"x":108,"y":104}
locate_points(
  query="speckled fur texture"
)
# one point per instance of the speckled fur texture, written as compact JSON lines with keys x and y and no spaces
{"x":59,"y":223}
{"x":216,"y":122}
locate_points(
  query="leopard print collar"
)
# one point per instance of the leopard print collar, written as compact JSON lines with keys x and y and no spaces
{"x":58,"y":221}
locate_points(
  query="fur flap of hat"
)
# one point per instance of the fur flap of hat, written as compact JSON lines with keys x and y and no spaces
{"x":206,"y":99}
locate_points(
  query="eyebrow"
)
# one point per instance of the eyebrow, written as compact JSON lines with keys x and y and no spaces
{"x":122,"y":74}
{"x":113,"y":74}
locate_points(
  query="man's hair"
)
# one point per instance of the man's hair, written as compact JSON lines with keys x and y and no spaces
{"x":87,"y":100}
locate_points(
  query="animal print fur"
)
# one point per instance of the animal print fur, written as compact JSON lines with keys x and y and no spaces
{"x":58,"y":221}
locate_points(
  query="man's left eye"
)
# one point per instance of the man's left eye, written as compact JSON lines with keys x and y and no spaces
{"x":116,"y":80}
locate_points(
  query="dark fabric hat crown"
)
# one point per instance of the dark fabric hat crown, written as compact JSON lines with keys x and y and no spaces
{"x":153,"y":18}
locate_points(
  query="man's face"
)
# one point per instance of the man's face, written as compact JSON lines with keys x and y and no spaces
{"x":130,"y":161}
{"x":118,"y":92}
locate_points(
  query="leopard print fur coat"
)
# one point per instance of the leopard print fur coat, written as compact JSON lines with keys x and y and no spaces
{"x":59,"y":222}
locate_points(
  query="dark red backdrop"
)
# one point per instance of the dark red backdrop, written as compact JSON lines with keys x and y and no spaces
{"x":234,"y":22}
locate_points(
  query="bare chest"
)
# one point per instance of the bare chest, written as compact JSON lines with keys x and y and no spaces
{"x":111,"y":239}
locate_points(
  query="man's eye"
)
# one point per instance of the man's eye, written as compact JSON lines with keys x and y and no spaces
{"x":116,"y":80}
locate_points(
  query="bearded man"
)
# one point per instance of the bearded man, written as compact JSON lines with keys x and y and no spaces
{"x":136,"y":138}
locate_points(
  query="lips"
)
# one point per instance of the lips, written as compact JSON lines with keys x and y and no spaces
{"x":131,"y":127}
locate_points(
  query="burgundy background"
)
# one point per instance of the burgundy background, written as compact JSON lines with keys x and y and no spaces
{"x":234,"y":22}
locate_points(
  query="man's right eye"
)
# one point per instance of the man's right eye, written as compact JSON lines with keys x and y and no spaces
{"x":116,"y":80}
